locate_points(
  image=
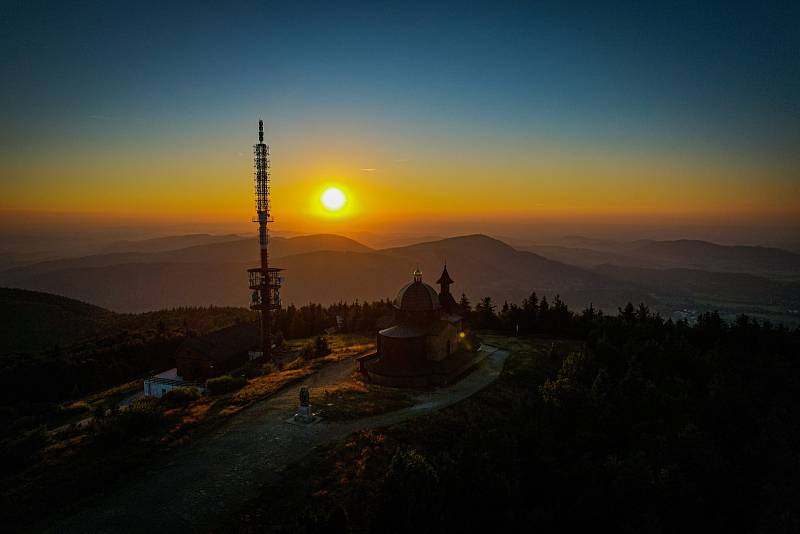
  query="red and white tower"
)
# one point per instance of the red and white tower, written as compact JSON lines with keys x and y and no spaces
{"x":265,"y":281}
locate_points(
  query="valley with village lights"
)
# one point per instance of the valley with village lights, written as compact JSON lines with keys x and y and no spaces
{"x":399,"y":267}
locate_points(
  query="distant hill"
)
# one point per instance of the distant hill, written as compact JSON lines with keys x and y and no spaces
{"x":686,"y":254}
{"x":710,"y":256}
{"x":229,"y":251}
{"x":31,"y":321}
{"x":585,"y":257}
{"x":162,"y":244}
{"x":697,"y":284}
{"x":246,"y":250}
{"x":387,"y":240}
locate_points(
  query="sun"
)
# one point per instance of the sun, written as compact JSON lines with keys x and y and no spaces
{"x":333,"y":199}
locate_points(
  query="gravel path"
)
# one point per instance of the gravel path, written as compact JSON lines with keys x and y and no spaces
{"x":195,"y":487}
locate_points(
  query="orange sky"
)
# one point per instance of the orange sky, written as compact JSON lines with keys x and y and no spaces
{"x":195,"y":183}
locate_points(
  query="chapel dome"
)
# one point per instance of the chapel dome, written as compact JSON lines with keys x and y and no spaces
{"x":417,"y":296}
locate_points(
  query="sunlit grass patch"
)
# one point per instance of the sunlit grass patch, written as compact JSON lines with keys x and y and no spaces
{"x":355,"y":399}
{"x":196,"y":412}
{"x":263,"y":386}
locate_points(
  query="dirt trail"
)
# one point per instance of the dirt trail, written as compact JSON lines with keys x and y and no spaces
{"x":199,"y":485}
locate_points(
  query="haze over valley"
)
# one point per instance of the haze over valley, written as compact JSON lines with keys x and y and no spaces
{"x":679,"y":279}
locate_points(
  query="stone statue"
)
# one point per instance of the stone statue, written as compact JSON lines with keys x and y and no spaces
{"x":304,"y":415}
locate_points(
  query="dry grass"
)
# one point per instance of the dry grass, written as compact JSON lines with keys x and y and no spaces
{"x":355,"y":399}
{"x":343,"y":346}
{"x":262,"y":387}
{"x":120,"y":390}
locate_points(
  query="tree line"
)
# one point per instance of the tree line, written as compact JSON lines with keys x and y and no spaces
{"x":532,"y":316}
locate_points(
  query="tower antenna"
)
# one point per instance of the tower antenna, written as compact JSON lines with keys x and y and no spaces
{"x":265,"y":281}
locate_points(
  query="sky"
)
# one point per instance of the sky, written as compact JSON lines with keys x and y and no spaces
{"x":429,"y":116}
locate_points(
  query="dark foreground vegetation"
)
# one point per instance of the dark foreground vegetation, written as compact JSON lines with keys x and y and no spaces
{"x":637,"y":424}
{"x":644,"y":425}
{"x":120,"y":348}
{"x":45,"y":472}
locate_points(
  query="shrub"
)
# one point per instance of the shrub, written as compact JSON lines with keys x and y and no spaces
{"x":315,"y":349}
{"x":225,"y":384}
{"x":179,"y":397}
{"x":142,"y":415}
{"x":307,"y":352}
{"x":252,"y":369}
{"x":144,"y":405}
{"x":280,"y":341}
{"x":321,"y":346}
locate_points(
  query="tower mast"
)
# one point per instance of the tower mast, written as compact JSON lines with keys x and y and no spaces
{"x":264,"y":280}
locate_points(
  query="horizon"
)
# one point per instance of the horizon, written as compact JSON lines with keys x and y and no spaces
{"x":19,"y":225}
{"x":504,"y":121}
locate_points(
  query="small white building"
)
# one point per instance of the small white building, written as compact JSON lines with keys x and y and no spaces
{"x":162,"y":383}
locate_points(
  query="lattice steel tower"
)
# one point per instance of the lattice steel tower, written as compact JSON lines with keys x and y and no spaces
{"x":265,"y":281}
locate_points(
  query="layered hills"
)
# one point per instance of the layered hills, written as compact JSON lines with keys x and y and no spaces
{"x":684,"y":253}
{"x":668,"y":276}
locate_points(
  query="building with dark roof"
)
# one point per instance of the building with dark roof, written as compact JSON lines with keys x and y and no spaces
{"x":204,"y":357}
{"x":221,"y":351}
{"x":423,"y":347}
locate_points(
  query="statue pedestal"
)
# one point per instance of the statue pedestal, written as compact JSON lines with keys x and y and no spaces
{"x":304,"y":416}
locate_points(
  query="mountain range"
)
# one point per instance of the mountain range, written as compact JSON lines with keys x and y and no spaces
{"x":683,"y":253}
{"x":669,"y":276}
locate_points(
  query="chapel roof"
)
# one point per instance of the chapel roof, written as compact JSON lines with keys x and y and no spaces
{"x":417,"y":296}
{"x":445,"y":277}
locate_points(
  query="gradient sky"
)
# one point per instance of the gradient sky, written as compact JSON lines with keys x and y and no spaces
{"x":687,"y":111}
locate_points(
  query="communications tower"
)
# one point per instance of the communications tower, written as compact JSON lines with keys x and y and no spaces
{"x":265,"y":281}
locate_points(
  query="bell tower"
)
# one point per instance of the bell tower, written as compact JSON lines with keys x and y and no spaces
{"x":445,"y":281}
{"x":446,"y":300}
